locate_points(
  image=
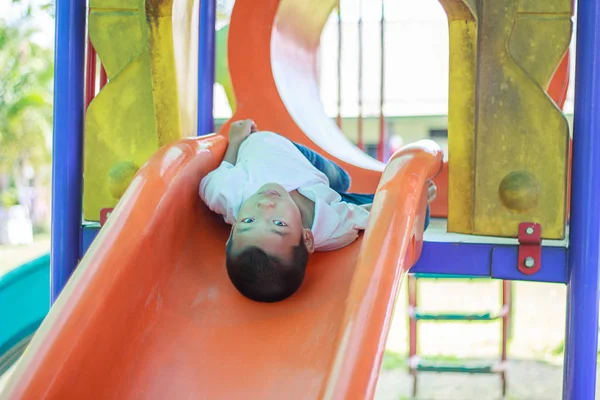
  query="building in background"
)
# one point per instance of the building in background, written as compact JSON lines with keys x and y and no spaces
{"x":416,"y":72}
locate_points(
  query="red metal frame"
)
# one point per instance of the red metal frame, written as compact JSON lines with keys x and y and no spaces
{"x":530,"y":248}
{"x":412,"y":329}
{"x":90,"y":74}
{"x":91,"y":67}
{"x":92,"y":64}
{"x":506,"y":320}
{"x":360,"y":142}
{"x":339,"y":67}
{"x":381,"y":144}
{"x":412,"y":304}
{"x":104,"y":215}
{"x":103,"y":77}
{"x":412,"y":286}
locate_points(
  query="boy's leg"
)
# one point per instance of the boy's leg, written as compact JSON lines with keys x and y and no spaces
{"x":360,"y":199}
{"x":339,"y":180}
{"x":357,"y":198}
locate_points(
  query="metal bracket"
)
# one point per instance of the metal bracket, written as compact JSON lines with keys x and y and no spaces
{"x":530,"y":248}
{"x":104,"y":214}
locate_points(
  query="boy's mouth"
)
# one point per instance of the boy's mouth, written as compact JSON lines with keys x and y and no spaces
{"x":270,"y":193}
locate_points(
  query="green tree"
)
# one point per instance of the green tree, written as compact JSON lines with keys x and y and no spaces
{"x":26,"y":74}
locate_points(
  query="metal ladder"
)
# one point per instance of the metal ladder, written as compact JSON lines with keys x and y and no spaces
{"x":416,"y":364}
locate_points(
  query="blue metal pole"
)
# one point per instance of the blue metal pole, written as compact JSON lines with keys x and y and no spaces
{"x":584,"y":241}
{"x":206,"y":66}
{"x":67,"y":141}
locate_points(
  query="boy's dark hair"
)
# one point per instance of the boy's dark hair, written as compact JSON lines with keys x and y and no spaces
{"x":264,"y":278}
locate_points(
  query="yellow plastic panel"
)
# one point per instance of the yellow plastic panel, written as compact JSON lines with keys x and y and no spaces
{"x":541,"y":31}
{"x":508,"y":164}
{"x":465,"y":10}
{"x":116,"y":4}
{"x":185,"y":42}
{"x":138,"y":110}
{"x":116,"y":54}
{"x":461,"y":113}
{"x":545,"y":7}
{"x":119,"y":134}
{"x":522,"y":136}
{"x":164,"y":72}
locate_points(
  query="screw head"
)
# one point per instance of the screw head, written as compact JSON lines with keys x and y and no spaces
{"x":529,"y":230}
{"x":529,"y":262}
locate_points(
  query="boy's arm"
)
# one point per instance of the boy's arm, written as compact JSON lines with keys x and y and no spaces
{"x":221,"y":190}
{"x":238,"y":132}
{"x":232,"y":152}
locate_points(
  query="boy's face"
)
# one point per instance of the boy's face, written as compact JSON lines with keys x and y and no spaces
{"x":270,"y":220}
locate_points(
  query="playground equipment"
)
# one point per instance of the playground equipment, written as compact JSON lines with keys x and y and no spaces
{"x":149,"y":311}
{"x":508,"y":136}
{"x":417,"y":364}
{"x":24,"y":302}
{"x":557,"y":90}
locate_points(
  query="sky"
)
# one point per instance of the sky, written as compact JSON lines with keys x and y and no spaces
{"x":416,"y":59}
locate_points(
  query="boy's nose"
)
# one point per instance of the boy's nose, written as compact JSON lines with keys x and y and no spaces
{"x":266,"y":203}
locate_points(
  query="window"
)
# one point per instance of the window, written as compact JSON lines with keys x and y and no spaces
{"x":371,"y":149}
{"x":438,"y":133}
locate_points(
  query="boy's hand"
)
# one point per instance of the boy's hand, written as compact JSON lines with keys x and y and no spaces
{"x":240,"y":130}
{"x":431,"y":192}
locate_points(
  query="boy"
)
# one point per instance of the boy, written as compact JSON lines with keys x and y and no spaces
{"x":279,"y":198}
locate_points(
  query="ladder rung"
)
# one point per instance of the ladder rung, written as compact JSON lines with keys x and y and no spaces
{"x":466,"y":368}
{"x":424,"y":275}
{"x":486,"y":316}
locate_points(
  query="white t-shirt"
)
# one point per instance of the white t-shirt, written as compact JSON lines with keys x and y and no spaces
{"x":266,"y":157}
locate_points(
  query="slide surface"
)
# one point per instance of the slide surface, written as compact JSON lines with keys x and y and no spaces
{"x":24,"y":302}
{"x":150,"y":313}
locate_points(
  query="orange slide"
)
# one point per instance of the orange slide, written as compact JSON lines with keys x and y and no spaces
{"x":151,"y":314}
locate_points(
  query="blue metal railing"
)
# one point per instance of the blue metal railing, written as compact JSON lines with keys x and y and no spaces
{"x":206,"y":66}
{"x":67,"y":145}
{"x":584,"y":238}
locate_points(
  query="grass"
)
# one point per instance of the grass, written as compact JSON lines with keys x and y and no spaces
{"x":13,"y":256}
{"x":393,"y":360}
{"x":560,"y":350}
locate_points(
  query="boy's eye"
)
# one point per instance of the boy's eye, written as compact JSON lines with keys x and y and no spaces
{"x":248,"y":220}
{"x":279,"y":223}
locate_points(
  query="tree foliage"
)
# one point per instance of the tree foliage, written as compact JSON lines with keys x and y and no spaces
{"x":26,"y":74}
